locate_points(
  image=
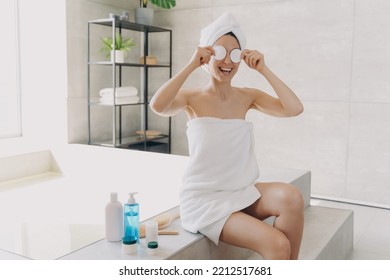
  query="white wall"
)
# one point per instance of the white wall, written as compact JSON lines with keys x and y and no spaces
{"x":333,"y":54}
{"x":43,"y":64}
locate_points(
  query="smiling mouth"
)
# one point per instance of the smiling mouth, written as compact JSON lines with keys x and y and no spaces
{"x":225,"y":70}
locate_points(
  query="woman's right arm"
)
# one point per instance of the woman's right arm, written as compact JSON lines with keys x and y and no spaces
{"x":169,"y":98}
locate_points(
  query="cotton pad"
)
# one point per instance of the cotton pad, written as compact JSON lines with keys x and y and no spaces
{"x":220,"y":52}
{"x":235,"y":55}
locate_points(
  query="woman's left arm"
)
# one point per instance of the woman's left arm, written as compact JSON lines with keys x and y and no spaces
{"x":287,"y":104}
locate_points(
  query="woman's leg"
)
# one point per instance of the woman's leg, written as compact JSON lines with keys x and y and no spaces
{"x":285,"y":202}
{"x":243,"y":230}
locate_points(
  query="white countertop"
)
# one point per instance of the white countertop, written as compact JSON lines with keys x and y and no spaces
{"x":59,"y":214}
{"x":51,"y":214}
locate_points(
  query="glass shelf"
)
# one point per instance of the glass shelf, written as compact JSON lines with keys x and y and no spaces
{"x":109,"y":63}
{"x":98,"y":103}
{"x":94,"y":101}
{"x":132,"y":140}
{"x":129,"y":25}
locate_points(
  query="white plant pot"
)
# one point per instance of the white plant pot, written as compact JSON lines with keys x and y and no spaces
{"x":118,"y":56}
{"x":144,"y":15}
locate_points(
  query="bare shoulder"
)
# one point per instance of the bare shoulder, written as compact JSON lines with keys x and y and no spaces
{"x":250,"y":93}
{"x":190,"y":92}
{"x":256,"y":99}
{"x":193,"y":100}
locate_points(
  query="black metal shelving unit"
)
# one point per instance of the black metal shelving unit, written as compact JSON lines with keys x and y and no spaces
{"x":156,"y":143}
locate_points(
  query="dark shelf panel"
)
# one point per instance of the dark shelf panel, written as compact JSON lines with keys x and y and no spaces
{"x":156,"y":147}
{"x":132,"y":140}
{"x":129,"y":25}
{"x":97,"y":103}
{"x":109,"y":63}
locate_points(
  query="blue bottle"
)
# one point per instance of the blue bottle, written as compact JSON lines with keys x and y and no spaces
{"x":131,"y":219}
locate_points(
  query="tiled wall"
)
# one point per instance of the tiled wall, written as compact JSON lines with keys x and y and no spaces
{"x":333,"y":54}
{"x":79,"y":12}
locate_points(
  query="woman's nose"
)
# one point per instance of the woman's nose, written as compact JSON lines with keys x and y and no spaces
{"x":227,"y":59}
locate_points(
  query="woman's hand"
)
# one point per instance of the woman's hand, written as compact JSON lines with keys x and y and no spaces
{"x":202,"y":56}
{"x":254,"y":59}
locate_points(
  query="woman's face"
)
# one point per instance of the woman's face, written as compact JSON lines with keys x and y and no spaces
{"x":224,"y":69}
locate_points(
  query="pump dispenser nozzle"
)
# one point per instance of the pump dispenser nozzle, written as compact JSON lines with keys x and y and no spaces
{"x":132,"y":198}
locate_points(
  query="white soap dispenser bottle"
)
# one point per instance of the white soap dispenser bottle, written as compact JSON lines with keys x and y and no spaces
{"x":114,"y":219}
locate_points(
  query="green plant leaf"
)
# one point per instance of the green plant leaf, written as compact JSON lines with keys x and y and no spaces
{"x":127,"y":43}
{"x":165,"y":4}
{"x":123,"y":44}
{"x":107,"y":46}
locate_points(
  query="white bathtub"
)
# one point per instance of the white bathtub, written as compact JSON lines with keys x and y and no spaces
{"x":52,"y":201}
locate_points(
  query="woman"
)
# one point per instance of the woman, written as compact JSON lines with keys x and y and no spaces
{"x":220,"y":196}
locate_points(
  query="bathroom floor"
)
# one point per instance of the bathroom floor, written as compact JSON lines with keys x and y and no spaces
{"x":371,"y":230}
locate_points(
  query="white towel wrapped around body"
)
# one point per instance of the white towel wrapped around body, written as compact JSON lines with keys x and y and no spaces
{"x":221,"y":174}
{"x":119,"y":92}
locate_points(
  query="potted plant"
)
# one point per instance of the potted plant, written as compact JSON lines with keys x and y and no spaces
{"x":119,"y":50}
{"x":144,"y":15}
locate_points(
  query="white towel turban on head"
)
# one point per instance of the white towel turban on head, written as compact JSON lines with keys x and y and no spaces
{"x":224,"y":24}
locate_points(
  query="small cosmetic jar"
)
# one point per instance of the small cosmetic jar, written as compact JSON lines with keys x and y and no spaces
{"x":129,"y":246}
{"x":152,"y":248}
{"x":124,"y":16}
{"x":151,"y":231}
{"x":112,"y":15}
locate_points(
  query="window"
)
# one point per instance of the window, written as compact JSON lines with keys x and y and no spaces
{"x":10,"y":113}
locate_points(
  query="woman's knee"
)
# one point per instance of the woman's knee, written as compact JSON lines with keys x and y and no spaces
{"x":291,"y":197}
{"x":279,"y":248}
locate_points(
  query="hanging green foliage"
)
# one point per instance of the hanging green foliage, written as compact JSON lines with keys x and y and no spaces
{"x":165,"y":4}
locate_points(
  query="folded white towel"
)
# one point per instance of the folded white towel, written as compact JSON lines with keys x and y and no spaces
{"x":224,"y":24}
{"x":119,"y":92}
{"x":119,"y":100}
{"x":221,"y":173}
